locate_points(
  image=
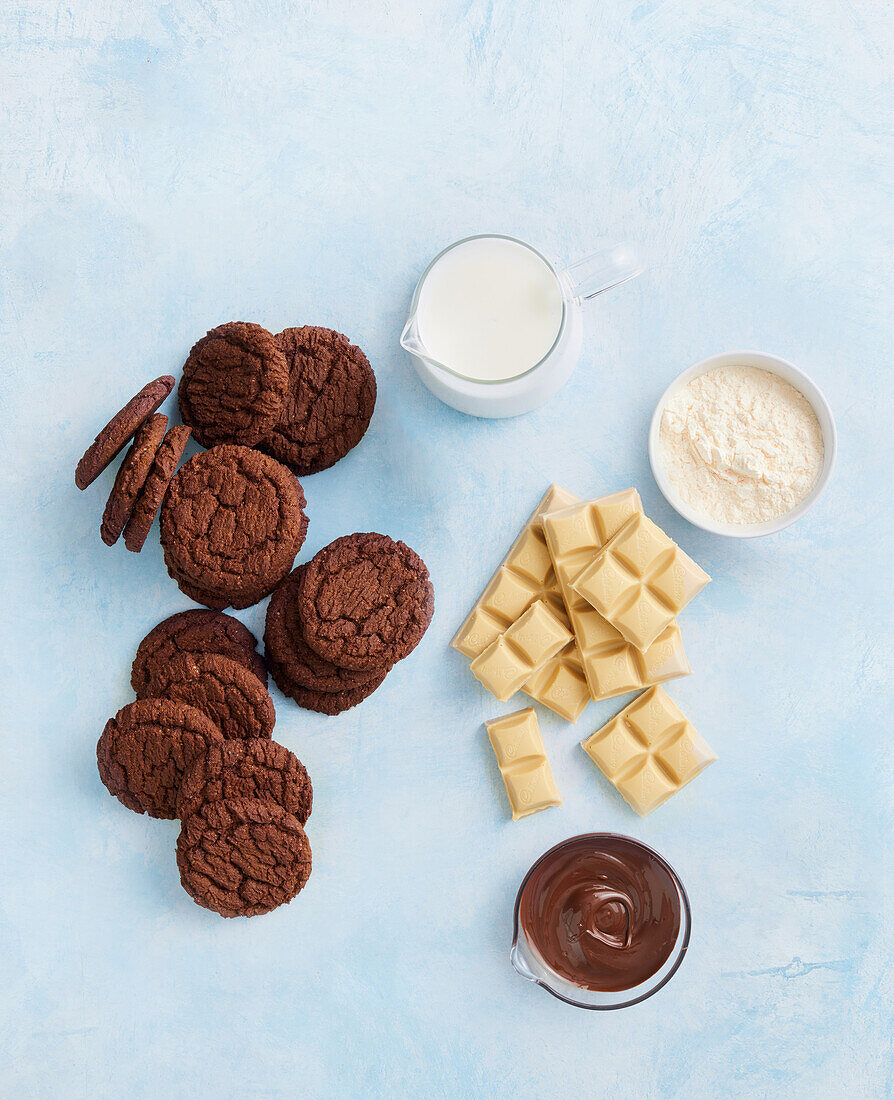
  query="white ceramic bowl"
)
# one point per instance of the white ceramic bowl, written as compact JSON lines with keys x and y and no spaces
{"x":794,"y":377}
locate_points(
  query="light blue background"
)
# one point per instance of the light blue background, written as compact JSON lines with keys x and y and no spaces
{"x":169,"y":166}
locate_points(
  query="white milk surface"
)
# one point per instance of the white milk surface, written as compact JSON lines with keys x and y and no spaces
{"x":489,"y":309}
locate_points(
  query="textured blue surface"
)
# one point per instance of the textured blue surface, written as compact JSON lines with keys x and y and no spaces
{"x":165,"y":167}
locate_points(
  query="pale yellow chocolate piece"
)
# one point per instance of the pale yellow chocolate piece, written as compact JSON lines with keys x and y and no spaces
{"x":612,"y":666}
{"x":524,"y":648}
{"x":640,"y":581}
{"x":649,"y":750}
{"x":522,"y":761}
{"x":524,"y":576}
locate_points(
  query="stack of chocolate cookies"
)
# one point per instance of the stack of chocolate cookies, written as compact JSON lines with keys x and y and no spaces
{"x":196,"y":745}
{"x":268,"y":408}
{"x":338,"y":624}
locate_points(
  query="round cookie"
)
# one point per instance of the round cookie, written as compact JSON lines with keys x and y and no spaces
{"x":169,"y":453}
{"x":329,"y":402}
{"x":131,"y":477}
{"x":193,"y":632}
{"x":234,"y":384}
{"x":242,"y":857}
{"x":285,"y":647}
{"x":231,"y":524}
{"x":231,"y":696}
{"x":247,"y":769}
{"x":324,"y":702}
{"x":145,"y":749}
{"x":365,"y":601}
{"x":120,"y":430}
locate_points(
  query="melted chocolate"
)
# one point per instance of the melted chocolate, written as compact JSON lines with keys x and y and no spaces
{"x":602,"y":912}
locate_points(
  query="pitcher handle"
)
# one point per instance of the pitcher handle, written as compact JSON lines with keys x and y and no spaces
{"x":602,"y":271}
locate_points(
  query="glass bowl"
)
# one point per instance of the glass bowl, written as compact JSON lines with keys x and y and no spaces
{"x":527,"y":961}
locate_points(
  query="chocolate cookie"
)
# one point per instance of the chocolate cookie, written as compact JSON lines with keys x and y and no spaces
{"x":131,"y":477}
{"x":193,"y":632}
{"x":167,"y":456}
{"x":243,"y":857}
{"x":234,"y":384}
{"x":329,"y":402}
{"x":231,"y":524}
{"x":120,"y":430}
{"x":285,"y":647}
{"x":365,"y":601}
{"x":324,"y":702}
{"x":234,"y":770}
{"x":145,"y":749}
{"x":231,"y":696}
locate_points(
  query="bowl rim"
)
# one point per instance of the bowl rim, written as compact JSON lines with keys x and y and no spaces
{"x":788,"y":372}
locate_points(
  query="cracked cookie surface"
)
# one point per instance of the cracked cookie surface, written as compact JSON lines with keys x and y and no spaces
{"x":329,"y":402}
{"x":194,"y":632}
{"x":234,"y":384}
{"x":231,"y":524}
{"x":247,"y":769}
{"x":286,"y":648}
{"x":243,"y":857}
{"x":131,"y":477}
{"x":146,"y":748}
{"x":120,"y":429}
{"x":164,"y":465}
{"x":230,"y":695}
{"x":365,"y":601}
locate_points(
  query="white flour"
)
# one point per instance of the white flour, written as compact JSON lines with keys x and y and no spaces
{"x":740,"y":445}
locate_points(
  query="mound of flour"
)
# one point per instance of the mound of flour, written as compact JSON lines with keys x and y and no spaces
{"x":740,"y":445}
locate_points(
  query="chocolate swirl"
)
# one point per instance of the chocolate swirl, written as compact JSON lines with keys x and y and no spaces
{"x":602,"y":912}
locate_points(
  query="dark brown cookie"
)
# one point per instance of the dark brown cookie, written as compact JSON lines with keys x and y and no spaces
{"x":231,"y":696}
{"x":145,"y":749}
{"x":120,"y":430}
{"x":243,"y":857}
{"x":234,"y":384}
{"x":324,"y":702}
{"x":169,"y":453}
{"x":231,"y":524}
{"x":234,"y":770}
{"x":285,"y":646}
{"x":329,"y":402}
{"x":193,"y":632}
{"x":131,"y":477}
{"x":365,"y":601}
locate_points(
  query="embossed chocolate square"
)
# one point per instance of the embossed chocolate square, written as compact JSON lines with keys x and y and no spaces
{"x":509,"y":662}
{"x":521,"y":758}
{"x":640,"y":581}
{"x":575,"y":535}
{"x":649,"y":750}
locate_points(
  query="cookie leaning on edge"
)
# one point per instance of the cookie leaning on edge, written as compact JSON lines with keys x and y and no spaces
{"x":194,"y":631}
{"x":131,"y":477}
{"x":169,"y":453}
{"x":145,"y":749}
{"x":242,"y":857}
{"x":234,"y":384}
{"x":329,"y":402}
{"x":231,"y":524}
{"x":120,"y":430}
{"x":365,"y":601}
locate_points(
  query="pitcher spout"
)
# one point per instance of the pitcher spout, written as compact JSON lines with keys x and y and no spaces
{"x":410,"y":339}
